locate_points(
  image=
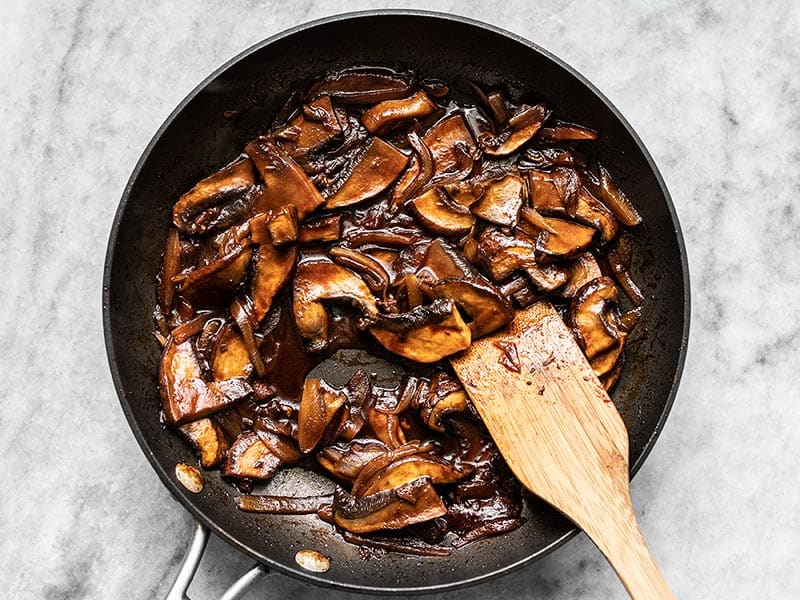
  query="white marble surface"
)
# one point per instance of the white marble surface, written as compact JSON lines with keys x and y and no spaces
{"x":713,"y":90}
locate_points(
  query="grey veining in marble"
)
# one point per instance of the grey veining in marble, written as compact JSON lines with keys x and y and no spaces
{"x":712,"y":88}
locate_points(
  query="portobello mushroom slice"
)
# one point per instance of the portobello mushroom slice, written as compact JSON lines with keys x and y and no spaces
{"x":449,"y":141}
{"x":588,"y":209}
{"x":567,"y":132}
{"x":273,"y":267}
{"x":362,"y":87}
{"x":208,"y":441}
{"x":318,"y":406}
{"x":230,"y":357}
{"x":406,"y":470}
{"x":502,"y":201}
{"x":250,"y":458}
{"x":213,"y":284}
{"x":321,"y":280}
{"x":564,"y":239}
{"x":426,"y":333}
{"x":439,"y":215}
{"x":445,"y":396}
{"x":501,"y":255}
{"x":315,"y":126}
{"x":284,"y":181}
{"x":580,"y":271}
{"x":413,"y":502}
{"x":323,"y":229}
{"x":388,"y":114}
{"x":594,"y":324}
{"x":277,"y":226}
{"x":522,"y":126}
{"x":482,"y":302}
{"x":185,"y":394}
{"x":552,"y":192}
{"x":216,"y":201}
{"x":380,"y":165}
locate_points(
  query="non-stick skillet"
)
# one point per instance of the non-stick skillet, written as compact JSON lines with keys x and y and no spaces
{"x":235,"y":104}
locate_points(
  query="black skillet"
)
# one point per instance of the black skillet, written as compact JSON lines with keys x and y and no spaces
{"x":236,"y":103}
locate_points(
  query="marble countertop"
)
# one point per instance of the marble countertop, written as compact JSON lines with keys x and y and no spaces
{"x":714,"y":92}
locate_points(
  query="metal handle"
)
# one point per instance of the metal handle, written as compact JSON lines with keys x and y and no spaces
{"x":191,"y":560}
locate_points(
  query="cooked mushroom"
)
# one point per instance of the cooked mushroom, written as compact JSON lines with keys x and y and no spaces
{"x":212,"y":284}
{"x":410,"y":503}
{"x":318,"y":281}
{"x":595,"y":325}
{"x":500,"y":255}
{"x":388,"y":114}
{"x":501,"y":202}
{"x":185,"y":394}
{"x":619,"y":261}
{"x":564,"y":239}
{"x":318,"y":406}
{"x":386,"y":427}
{"x":482,"y":302}
{"x":208,"y":440}
{"x":563,"y":132}
{"x":449,"y":141}
{"x":216,"y":201}
{"x":284,"y":180}
{"x":277,"y":226}
{"x":380,"y":165}
{"x":580,"y":271}
{"x":590,"y":210}
{"x":552,"y":192}
{"x":522,"y":126}
{"x":617,"y":201}
{"x":272,"y":270}
{"x":371,"y":270}
{"x":230,"y":356}
{"x":345,"y":461}
{"x":439,"y":215}
{"x":406,"y":470}
{"x":323,"y":229}
{"x":362,"y":87}
{"x":445,"y":396}
{"x":250,"y":458}
{"x":426,"y":333}
{"x":541,"y":159}
{"x":419,"y":172}
{"x":315,"y":126}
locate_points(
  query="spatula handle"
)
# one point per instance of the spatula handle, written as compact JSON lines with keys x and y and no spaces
{"x":621,"y":541}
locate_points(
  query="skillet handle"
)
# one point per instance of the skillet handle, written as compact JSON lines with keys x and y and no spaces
{"x":191,"y":560}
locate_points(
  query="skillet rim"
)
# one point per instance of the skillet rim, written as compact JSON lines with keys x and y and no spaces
{"x":181,"y":495}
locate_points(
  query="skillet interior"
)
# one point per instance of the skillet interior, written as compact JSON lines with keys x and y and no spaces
{"x":202,"y":135}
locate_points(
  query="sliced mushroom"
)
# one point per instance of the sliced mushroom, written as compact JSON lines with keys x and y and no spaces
{"x":386,"y":427}
{"x":323,"y":229}
{"x":315,"y":126}
{"x":216,"y":201}
{"x":213,"y":284}
{"x":318,"y":281}
{"x":564,"y":239}
{"x":522,"y":126}
{"x":345,"y":461}
{"x":380,"y":165}
{"x":418,"y":173}
{"x":439,"y":215}
{"x":591,"y":211}
{"x":552,"y":192}
{"x":318,"y":406}
{"x":284,"y":180}
{"x":482,"y":302}
{"x":501,"y":255}
{"x":230,"y":357}
{"x":411,"y":503}
{"x":449,"y":141}
{"x":272,"y":270}
{"x":371,"y":270}
{"x":362,"y":87}
{"x":208,"y":441}
{"x":541,"y":159}
{"x":445,"y":396}
{"x":406,"y":470}
{"x":440,"y":260}
{"x":619,"y":262}
{"x":250,"y":458}
{"x":388,"y":114}
{"x":280,"y":445}
{"x":185,"y":394}
{"x":501,"y":202}
{"x":580,"y":271}
{"x":594,"y":325}
{"x":426,"y":333}
{"x":277,"y":226}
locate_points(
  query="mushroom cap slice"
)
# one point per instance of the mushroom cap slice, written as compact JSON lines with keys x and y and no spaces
{"x":318,"y":406}
{"x":426,"y":333}
{"x":386,"y":115}
{"x":208,"y":440}
{"x":185,"y":394}
{"x":588,"y":209}
{"x":250,"y":458}
{"x":217,"y":200}
{"x":380,"y":165}
{"x":272,"y":270}
{"x":438,"y":214}
{"x":580,"y":271}
{"x":345,"y":461}
{"x":362,"y":87}
{"x":565,"y":239}
{"x":553,"y":191}
{"x":502,"y":201}
{"x":316,"y":281}
{"x":406,"y":470}
{"x":449,"y":140}
{"x":230,"y":357}
{"x":592,"y":323}
{"x":484,"y":304}
{"x":284,"y":180}
{"x":522,"y":127}
{"x":445,"y":396}
{"x":212,"y":284}
{"x":314,"y":127}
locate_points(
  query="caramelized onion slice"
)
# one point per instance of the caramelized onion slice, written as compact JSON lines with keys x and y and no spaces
{"x":617,"y":201}
{"x":362,"y":87}
{"x":318,"y":405}
{"x":388,"y":114}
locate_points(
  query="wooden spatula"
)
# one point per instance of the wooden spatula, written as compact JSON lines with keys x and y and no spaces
{"x":561,"y":435}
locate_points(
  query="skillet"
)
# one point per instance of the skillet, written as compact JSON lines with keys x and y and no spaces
{"x":235,"y":104}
